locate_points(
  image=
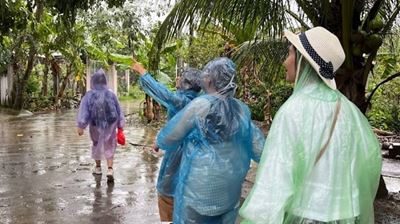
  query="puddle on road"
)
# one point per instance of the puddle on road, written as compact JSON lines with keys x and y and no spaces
{"x":46,"y":174}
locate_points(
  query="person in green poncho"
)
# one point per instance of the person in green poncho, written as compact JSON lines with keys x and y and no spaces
{"x":321,"y":160}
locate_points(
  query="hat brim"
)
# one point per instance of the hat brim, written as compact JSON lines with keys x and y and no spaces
{"x":295,"y":40}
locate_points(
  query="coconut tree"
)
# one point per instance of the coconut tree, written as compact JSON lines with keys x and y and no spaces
{"x":360,"y":25}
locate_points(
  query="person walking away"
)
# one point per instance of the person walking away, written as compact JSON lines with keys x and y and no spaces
{"x":101,"y":111}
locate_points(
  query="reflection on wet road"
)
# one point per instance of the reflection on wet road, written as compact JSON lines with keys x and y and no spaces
{"x":46,"y":174}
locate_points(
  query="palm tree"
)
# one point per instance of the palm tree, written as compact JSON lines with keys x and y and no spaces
{"x":360,"y":25}
{"x":250,"y":53}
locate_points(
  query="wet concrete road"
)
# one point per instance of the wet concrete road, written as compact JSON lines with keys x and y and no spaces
{"x":45,"y":174}
{"x":391,"y":174}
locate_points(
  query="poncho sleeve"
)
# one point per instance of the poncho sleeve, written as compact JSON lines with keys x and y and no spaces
{"x":173,"y":133}
{"x":83,"y":117}
{"x":161,"y":93}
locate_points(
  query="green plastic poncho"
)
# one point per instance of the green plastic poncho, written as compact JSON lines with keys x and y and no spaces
{"x":340,"y":188}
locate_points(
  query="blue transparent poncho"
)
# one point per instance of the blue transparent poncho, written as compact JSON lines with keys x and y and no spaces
{"x":189,"y":86}
{"x":219,"y":140}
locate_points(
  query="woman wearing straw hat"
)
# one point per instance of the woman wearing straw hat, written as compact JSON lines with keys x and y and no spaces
{"x":321,"y":160}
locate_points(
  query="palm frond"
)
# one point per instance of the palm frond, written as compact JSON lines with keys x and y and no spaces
{"x":372,"y":13}
{"x":267,"y":54}
{"x":298,"y":19}
{"x":310,"y":9}
{"x":267,"y":16}
{"x":392,"y":15}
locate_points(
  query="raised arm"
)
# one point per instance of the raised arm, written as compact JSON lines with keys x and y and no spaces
{"x":158,"y":91}
{"x":162,"y":94}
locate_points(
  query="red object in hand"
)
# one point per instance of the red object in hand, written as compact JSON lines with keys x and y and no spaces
{"x":120,"y":136}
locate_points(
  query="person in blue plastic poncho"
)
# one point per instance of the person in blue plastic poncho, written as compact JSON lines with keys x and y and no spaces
{"x":100,"y":110}
{"x":219,"y":140}
{"x":188,"y":87}
{"x":321,"y":162}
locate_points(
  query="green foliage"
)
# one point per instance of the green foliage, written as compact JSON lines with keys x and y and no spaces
{"x":125,"y":98}
{"x":39,"y":103}
{"x":13,"y":16}
{"x":33,"y":85}
{"x":280,"y":93}
{"x":5,"y":54}
{"x":197,"y":51}
{"x":385,"y":109}
{"x":135,"y":92}
{"x":121,"y":59}
{"x":384,"y":113}
{"x":265,"y":100}
{"x":68,"y":9}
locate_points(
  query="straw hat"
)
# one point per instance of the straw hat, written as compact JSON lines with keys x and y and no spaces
{"x":322,"y":49}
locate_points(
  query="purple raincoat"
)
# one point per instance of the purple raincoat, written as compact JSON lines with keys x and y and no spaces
{"x":100,"y":110}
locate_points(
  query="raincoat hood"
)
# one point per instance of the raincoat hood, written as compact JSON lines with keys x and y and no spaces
{"x":190,"y":80}
{"x":220,"y":73}
{"x":99,"y":80}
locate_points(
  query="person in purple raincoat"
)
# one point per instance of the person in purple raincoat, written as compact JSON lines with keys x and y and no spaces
{"x":100,"y":110}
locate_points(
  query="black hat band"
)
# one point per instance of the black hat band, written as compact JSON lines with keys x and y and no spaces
{"x":326,"y":68}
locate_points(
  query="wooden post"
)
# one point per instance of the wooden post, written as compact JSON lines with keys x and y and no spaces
{"x":88,"y":73}
{"x":6,"y":83}
{"x":127,"y":80}
{"x":3,"y":89}
{"x":113,"y":82}
{"x":10,"y":78}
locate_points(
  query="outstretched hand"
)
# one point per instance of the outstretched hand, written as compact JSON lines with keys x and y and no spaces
{"x":137,"y":67}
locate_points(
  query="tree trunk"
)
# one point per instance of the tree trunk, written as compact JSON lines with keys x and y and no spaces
{"x":55,"y":70}
{"x":148,"y":109}
{"x":45,"y":78}
{"x":157,"y":111}
{"x":352,"y":78}
{"x":21,"y":84}
{"x":20,"y":87}
{"x":349,"y":83}
{"x":64,"y":82}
